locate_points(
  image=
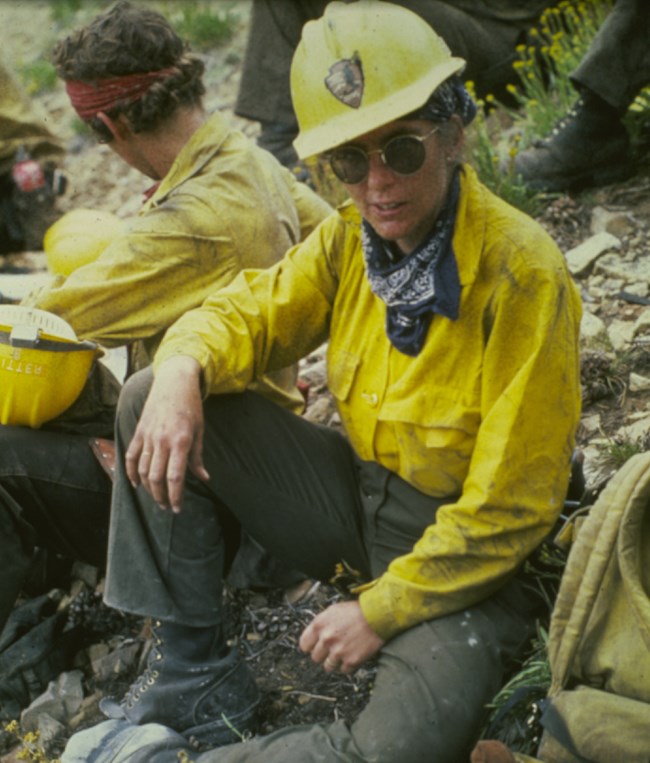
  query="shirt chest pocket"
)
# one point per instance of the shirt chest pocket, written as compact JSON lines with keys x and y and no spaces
{"x":433,"y":419}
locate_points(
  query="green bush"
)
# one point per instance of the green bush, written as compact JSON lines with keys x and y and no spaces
{"x":37,"y":76}
{"x":63,"y":12}
{"x":204,"y":27}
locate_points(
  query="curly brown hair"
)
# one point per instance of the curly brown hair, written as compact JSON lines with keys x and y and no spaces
{"x":124,"y":40}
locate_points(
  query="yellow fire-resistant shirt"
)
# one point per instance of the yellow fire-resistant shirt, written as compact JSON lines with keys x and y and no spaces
{"x":224,"y":205}
{"x":488,"y":410}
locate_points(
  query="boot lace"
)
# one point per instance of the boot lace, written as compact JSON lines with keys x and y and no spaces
{"x":150,"y":674}
{"x":569,"y":117}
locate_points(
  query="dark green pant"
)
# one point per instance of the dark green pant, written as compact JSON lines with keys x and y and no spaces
{"x":617,"y":65}
{"x":300,"y":491}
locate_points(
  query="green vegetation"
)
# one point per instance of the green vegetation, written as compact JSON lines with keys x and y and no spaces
{"x":498,"y":175}
{"x":37,"y":76}
{"x":621,"y":449}
{"x":201,"y":23}
{"x":79,"y":127}
{"x":31,"y":750}
{"x":63,"y":12}
{"x":515,"y":711}
{"x":203,"y":26}
{"x":544,"y":93}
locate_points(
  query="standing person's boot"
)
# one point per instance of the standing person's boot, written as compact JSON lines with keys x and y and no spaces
{"x":589,"y":146}
{"x":193,"y":683}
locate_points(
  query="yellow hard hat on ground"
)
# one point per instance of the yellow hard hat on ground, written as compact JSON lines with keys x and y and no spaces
{"x":78,"y":238}
{"x":43,"y":367}
{"x":361,"y":66}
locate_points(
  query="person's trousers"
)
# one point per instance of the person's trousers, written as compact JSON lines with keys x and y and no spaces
{"x":617,"y":65}
{"x":53,"y":495}
{"x":299,"y":490}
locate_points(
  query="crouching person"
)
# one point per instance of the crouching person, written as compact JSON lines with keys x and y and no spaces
{"x":219,"y":205}
{"x":452,"y":325}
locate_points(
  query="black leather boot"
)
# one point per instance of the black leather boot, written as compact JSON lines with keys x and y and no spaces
{"x":191,"y":684}
{"x":589,"y":146}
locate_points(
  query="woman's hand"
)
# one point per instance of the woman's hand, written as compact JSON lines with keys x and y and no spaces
{"x":340,"y":638}
{"x":169,"y":435}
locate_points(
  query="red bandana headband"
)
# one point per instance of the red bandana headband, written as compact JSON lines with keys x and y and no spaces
{"x":105,"y":94}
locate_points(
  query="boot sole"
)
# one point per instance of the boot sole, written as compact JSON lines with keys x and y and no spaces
{"x":226,"y":730}
{"x":215,"y":733}
{"x":594,"y":176}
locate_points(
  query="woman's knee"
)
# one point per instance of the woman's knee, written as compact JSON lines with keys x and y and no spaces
{"x":432,"y":687}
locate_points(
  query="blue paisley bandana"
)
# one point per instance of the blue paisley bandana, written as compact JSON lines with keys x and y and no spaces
{"x":418,"y":285}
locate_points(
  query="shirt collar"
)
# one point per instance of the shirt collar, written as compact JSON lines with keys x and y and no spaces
{"x":195,"y":154}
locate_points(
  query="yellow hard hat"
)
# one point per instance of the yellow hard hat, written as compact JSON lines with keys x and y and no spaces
{"x":43,"y":367}
{"x":361,"y":66}
{"x":78,"y":237}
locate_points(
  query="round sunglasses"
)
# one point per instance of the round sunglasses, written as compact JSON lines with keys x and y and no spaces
{"x":403,"y":154}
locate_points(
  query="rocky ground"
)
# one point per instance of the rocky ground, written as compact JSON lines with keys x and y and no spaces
{"x":605,"y":234}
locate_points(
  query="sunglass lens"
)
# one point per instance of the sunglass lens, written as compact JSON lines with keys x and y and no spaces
{"x":349,"y":164}
{"x":405,"y":154}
